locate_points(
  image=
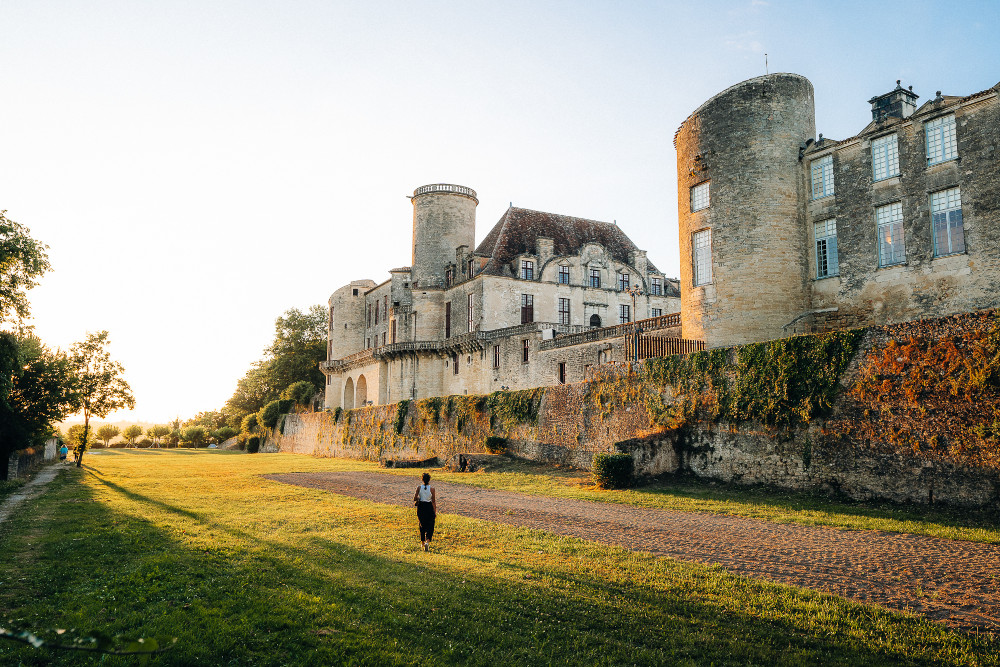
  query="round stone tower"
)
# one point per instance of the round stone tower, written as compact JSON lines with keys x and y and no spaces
{"x":741,"y":201}
{"x":444,"y":218}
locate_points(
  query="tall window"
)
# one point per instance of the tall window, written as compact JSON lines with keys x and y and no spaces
{"x":524,"y":351}
{"x":449,"y":277}
{"x":563,"y":274}
{"x":595,"y":277}
{"x":563,"y":311}
{"x":623,"y":281}
{"x":383,"y":338}
{"x":527,"y":308}
{"x":889,"y":219}
{"x":376,"y":313}
{"x":496,"y":356}
{"x":624,"y":313}
{"x":471,"y":317}
{"x":702,"y":256}
{"x":826,"y":248}
{"x":527,"y":269}
{"x":385,"y":306}
{"x":940,"y":138}
{"x":368,"y":313}
{"x":656,"y":286}
{"x":946,"y":219}
{"x":447,"y":319}
{"x":699,"y":196}
{"x":472,"y":267}
{"x":561,"y":372}
{"x":393,"y":327}
{"x":822,"y":177}
{"x":655,"y":312}
{"x":454,"y":363}
{"x":885,"y":157}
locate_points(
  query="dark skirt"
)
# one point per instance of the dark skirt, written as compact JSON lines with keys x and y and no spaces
{"x":425,"y":517}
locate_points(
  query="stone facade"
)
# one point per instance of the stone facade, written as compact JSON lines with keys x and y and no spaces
{"x":814,"y":235}
{"x":473,"y":321}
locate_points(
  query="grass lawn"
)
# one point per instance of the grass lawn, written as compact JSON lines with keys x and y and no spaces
{"x":245,"y":571}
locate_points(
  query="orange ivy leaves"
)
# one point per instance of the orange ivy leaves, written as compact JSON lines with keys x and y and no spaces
{"x":939,"y":397}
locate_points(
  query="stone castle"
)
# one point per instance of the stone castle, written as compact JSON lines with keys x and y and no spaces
{"x":780,"y":233}
{"x":540,"y":301}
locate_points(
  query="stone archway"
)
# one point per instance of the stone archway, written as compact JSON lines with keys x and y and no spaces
{"x":595,"y":320}
{"x":349,"y":394}
{"x":361,"y":392}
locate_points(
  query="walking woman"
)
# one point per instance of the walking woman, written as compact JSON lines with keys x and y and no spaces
{"x":426,"y":503}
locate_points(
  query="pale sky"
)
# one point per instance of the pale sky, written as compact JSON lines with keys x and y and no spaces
{"x":198,"y":167}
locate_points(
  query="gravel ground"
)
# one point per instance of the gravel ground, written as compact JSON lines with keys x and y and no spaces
{"x":955,"y":582}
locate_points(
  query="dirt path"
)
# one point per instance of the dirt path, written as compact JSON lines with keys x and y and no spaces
{"x":955,"y":582}
{"x":33,"y":487}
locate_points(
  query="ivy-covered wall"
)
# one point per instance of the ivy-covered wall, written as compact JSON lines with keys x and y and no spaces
{"x":906,"y":412}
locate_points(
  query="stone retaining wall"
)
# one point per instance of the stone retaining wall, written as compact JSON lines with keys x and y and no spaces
{"x":576,"y":421}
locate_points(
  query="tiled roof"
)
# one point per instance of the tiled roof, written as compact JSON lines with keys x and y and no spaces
{"x":518,"y":230}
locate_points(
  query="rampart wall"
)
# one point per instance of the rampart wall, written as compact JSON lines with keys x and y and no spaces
{"x":907,"y":412}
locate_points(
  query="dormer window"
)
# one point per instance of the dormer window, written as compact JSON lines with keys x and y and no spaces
{"x":822,"y":177}
{"x":563,"y":274}
{"x":656,"y":286}
{"x":595,"y":277}
{"x":527,"y":269}
{"x":623,"y":281}
{"x":449,"y":277}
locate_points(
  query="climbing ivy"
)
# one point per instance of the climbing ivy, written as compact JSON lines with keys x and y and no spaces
{"x":401,"y":409}
{"x":782,"y":382}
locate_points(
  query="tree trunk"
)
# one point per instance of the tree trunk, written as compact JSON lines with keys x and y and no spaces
{"x":82,"y":447}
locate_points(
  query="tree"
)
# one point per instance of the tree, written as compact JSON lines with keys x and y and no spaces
{"x":131,"y":434}
{"x":224,"y":433}
{"x":101,"y":389}
{"x":107,"y":432}
{"x":37,"y":389}
{"x":156,"y":432}
{"x":195,"y":435}
{"x":173,"y":437}
{"x":210,"y":420}
{"x":301,"y":392}
{"x":22,"y":261}
{"x":75,"y":439}
{"x":299,"y":345}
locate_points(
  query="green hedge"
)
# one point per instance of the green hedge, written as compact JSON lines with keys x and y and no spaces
{"x":253,"y":444}
{"x":612,"y":471}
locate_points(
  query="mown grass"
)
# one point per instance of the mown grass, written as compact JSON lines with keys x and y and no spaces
{"x":243,"y":570}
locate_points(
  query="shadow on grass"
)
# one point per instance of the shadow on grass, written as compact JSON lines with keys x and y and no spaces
{"x":256,"y":600}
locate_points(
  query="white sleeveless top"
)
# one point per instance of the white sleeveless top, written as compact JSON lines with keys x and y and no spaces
{"x":424,"y":493}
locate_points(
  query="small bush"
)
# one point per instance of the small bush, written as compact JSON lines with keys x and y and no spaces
{"x":253,"y":444}
{"x":612,"y":471}
{"x":337,"y":413}
{"x":495,"y":444}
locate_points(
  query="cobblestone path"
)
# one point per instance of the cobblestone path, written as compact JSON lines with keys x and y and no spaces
{"x":955,"y":582}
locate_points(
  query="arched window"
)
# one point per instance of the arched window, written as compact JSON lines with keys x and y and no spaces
{"x":595,"y":320}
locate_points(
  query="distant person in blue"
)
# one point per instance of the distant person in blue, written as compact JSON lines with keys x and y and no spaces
{"x":63,"y":452}
{"x":426,"y":503}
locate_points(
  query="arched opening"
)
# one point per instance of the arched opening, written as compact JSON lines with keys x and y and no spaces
{"x":349,"y":394}
{"x":595,"y":320}
{"x":361,"y":392}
